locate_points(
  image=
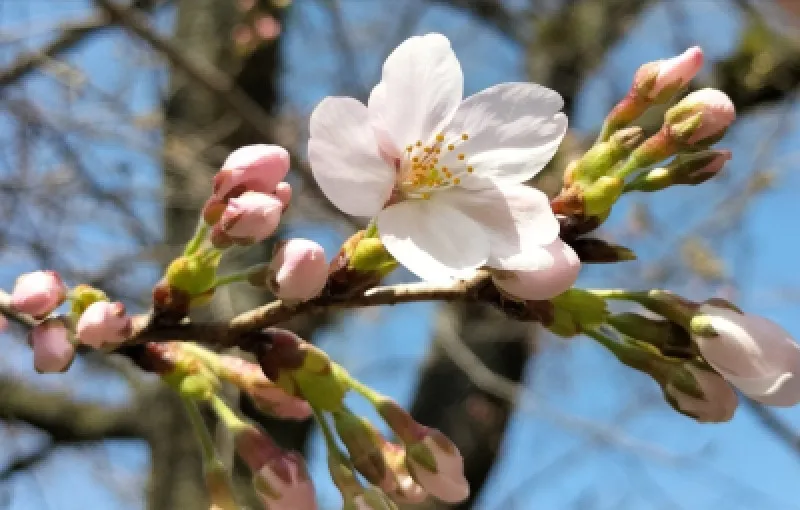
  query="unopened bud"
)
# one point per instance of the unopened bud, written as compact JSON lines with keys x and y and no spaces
{"x":298,"y":270}
{"x":251,"y":168}
{"x":543,"y":283}
{"x":437,"y":465}
{"x":363,"y":444}
{"x":664,"y":334}
{"x":38,"y":293}
{"x":701,"y":118}
{"x":701,"y":394}
{"x":599,"y":197}
{"x":81,"y":296}
{"x":103,"y":323}
{"x":658,"y":81}
{"x":687,"y":169}
{"x":303,"y":370}
{"x":247,"y":219}
{"x":598,"y":251}
{"x":192,"y":275}
{"x":52,"y":349}
{"x":575,"y":310}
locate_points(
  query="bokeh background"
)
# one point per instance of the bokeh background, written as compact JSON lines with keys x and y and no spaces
{"x":111,"y":126}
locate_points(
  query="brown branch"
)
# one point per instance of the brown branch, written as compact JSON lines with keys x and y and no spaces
{"x":234,"y":332}
{"x":70,"y":36}
{"x":63,"y":418}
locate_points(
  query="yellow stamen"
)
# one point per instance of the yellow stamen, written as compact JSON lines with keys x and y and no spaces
{"x":457,"y":180}
{"x":451,"y":147}
{"x":440,"y":137}
{"x":419,"y":143}
{"x":461,"y":157}
{"x":465,"y":136}
{"x":470,"y":169}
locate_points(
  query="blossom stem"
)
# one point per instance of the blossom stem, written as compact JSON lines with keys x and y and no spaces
{"x":362,"y":389}
{"x":200,"y":430}
{"x":327,"y":433}
{"x":200,"y":234}
{"x":627,"y":168}
{"x":226,"y":414}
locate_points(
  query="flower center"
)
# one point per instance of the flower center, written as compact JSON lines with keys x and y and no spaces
{"x":424,"y":169}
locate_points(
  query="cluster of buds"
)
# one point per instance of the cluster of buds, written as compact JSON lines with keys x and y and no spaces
{"x":248,"y":199}
{"x":93,"y":320}
{"x":698,"y":352}
{"x":594,"y":183}
{"x":424,"y":463}
{"x":249,"y":196}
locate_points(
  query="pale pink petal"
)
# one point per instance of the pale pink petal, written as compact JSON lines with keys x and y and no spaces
{"x":103,"y":323}
{"x":559,"y":269}
{"x":422,"y":88}
{"x":512,"y":130}
{"x":345,"y":159}
{"x":251,"y":168}
{"x":252,"y":217}
{"x":38,"y":293}
{"x":447,"y":483}
{"x":432,"y":240}
{"x":517,"y":218}
{"x":300,"y":269}
{"x":52,"y":349}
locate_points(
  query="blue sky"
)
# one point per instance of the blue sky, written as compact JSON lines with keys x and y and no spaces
{"x":553,"y":458}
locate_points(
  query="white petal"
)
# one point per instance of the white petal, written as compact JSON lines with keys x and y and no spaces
{"x":345,"y":158}
{"x":376,"y":107}
{"x":432,"y":240}
{"x":422,"y":86}
{"x":517,"y":218}
{"x":513,"y":129}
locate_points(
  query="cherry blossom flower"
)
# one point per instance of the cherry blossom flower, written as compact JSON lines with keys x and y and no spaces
{"x":441,"y":175}
{"x":753,"y":353}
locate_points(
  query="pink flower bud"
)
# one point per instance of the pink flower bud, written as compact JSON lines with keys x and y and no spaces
{"x":753,"y":353}
{"x":251,"y":168}
{"x":559,"y":270}
{"x":283,"y":192}
{"x":38,"y":293}
{"x":280,"y":478}
{"x":248,"y":219}
{"x":284,"y":484}
{"x":715,"y":403}
{"x":52,"y":349}
{"x":669,"y":75}
{"x":437,"y":466}
{"x":103,"y":323}
{"x":300,"y":270}
{"x":701,"y":117}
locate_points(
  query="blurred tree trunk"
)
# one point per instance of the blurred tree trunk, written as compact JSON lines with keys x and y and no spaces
{"x":197,"y":127}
